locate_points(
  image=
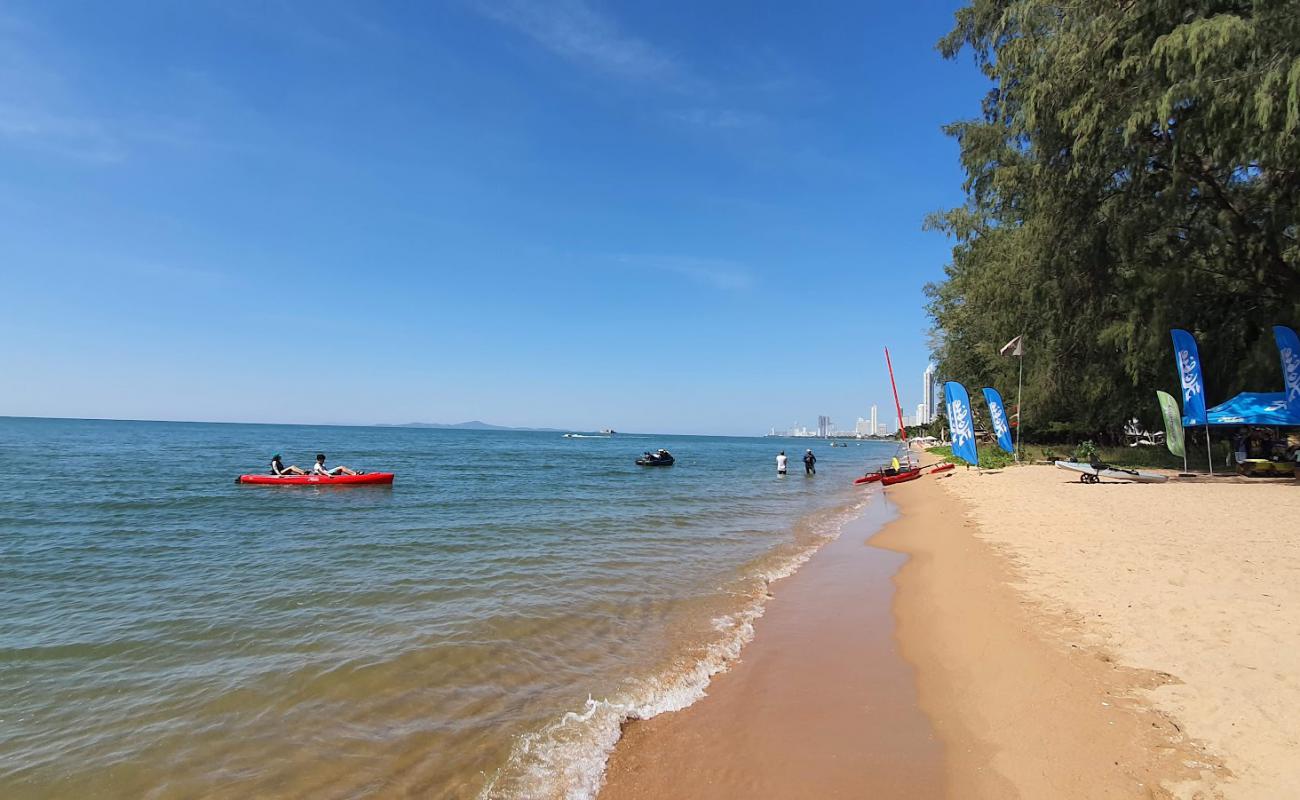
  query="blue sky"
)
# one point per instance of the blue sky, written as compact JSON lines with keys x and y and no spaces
{"x":679,"y":217}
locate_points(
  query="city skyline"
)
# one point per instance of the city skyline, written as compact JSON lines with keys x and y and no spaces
{"x":876,"y":426}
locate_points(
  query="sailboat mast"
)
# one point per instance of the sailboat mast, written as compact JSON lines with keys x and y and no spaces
{"x":898,"y":407}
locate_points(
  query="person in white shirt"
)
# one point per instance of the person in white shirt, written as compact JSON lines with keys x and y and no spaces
{"x":321,"y":469}
{"x":781,"y":462}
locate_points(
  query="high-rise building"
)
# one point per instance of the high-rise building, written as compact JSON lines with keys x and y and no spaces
{"x":922,"y":414}
{"x":927,"y":395}
{"x":863,"y":428}
{"x":875,"y":426}
{"x":823,"y":426}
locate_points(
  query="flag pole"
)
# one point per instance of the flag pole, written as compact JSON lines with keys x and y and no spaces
{"x":1020,"y":411}
{"x":1209,"y":451}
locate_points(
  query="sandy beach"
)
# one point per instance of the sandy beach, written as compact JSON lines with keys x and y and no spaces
{"x":1066,"y":640}
{"x":1189,"y":592}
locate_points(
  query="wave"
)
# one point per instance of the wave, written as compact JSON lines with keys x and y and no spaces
{"x":566,"y":758}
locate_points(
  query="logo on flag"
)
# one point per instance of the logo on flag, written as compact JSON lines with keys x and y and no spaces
{"x":1291,"y":371}
{"x":999,"y":422}
{"x":960,"y":423}
{"x":1288,"y":346}
{"x":1191,"y":375}
{"x":998,"y":417}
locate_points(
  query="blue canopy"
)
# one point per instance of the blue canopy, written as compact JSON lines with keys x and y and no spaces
{"x":1250,"y":408}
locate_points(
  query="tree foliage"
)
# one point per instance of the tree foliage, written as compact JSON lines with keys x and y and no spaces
{"x":1136,"y":168}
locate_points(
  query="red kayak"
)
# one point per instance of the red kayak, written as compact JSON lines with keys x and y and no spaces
{"x":872,"y":478}
{"x":909,"y":475}
{"x":372,"y":478}
{"x":943,"y":468}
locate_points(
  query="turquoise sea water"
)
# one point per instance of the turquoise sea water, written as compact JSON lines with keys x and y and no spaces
{"x":479,"y":629}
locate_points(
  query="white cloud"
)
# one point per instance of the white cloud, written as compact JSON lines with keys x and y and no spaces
{"x":83,"y":138}
{"x":575,"y":31}
{"x":718,"y":118}
{"x":721,"y":274}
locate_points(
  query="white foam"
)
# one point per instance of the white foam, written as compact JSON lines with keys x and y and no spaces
{"x":567,"y":758}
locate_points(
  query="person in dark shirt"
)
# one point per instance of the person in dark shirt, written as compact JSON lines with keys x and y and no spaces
{"x":278,"y":467}
{"x":809,"y":463}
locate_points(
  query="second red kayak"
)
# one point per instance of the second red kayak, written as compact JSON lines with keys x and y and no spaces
{"x":372,"y":478}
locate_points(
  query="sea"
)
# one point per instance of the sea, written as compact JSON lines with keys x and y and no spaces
{"x":480,"y":629}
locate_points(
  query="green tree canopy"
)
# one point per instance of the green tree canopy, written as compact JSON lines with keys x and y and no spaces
{"x":1136,"y":168}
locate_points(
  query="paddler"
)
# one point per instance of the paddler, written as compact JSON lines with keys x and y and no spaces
{"x":321,"y":469}
{"x":278,"y":467}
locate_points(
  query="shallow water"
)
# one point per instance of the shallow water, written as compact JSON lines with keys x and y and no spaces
{"x":480,"y":628}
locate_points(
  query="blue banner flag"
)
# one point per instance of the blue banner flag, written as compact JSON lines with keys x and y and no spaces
{"x":961,"y":425}
{"x":1288,"y":346}
{"x":1189,"y":374}
{"x":998,"y":414}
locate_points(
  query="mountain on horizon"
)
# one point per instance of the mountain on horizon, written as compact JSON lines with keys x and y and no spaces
{"x":472,"y":425}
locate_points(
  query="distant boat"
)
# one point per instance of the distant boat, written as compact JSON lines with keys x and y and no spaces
{"x":607,"y":432}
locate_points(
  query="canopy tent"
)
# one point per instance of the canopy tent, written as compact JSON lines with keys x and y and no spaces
{"x":1250,"y":408}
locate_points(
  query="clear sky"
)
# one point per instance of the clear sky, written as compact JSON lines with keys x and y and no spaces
{"x":673,"y":216}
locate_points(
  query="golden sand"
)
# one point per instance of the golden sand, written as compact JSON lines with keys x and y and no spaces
{"x":1068,"y":641}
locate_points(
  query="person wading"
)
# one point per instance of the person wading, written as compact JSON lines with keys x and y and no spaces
{"x":809,"y":463}
{"x":781,"y":462}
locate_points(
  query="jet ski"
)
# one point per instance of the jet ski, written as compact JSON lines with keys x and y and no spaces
{"x":660,"y":458}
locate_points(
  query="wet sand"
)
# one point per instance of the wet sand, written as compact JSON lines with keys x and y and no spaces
{"x":820,"y":704}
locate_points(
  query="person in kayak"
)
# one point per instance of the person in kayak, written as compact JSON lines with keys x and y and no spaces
{"x":781,"y":461}
{"x":809,"y":463}
{"x":278,"y":467}
{"x":321,"y":469}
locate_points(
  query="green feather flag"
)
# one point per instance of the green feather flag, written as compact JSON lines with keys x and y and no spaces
{"x":1173,"y":424}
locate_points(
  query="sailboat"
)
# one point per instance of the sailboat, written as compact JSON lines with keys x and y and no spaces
{"x":913,"y":470}
{"x":888,"y":476}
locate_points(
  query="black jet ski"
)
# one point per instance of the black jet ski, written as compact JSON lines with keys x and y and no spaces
{"x":661,"y":458}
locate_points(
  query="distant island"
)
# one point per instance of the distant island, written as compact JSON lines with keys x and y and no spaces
{"x":473,"y":425}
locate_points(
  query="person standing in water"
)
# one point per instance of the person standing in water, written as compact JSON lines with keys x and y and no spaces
{"x":781,"y":462}
{"x":809,"y":463}
{"x":321,"y":469}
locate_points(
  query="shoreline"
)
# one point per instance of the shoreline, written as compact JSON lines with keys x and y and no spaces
{"x":543,"y":762}
{"x":819,"y":704}
{"x":1060,"y":640}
